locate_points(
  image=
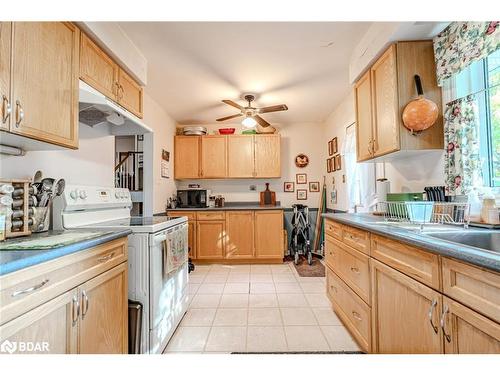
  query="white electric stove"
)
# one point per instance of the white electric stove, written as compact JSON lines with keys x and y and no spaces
{"x":157,"y":255}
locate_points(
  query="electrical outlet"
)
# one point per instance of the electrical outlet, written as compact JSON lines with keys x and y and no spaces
{"x":253,"y":187}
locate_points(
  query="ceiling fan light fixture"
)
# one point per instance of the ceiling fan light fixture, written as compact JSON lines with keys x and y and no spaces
{"x":249,"y":122}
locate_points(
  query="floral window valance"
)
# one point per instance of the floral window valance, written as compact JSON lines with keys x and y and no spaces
{"x":462,"y":43}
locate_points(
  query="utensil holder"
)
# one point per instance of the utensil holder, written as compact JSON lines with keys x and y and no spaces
{"x":41,"y":219}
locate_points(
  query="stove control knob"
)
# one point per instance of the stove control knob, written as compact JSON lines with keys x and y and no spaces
{"x":83,"y":194}
{"x":74,"y":194}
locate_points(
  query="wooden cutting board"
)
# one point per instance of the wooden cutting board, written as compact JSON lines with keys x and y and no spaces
{"x":267,"y":197}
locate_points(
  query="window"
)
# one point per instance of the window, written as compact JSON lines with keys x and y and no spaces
{"x":483,"y":79}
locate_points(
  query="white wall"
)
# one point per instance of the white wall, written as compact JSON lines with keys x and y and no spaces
{"x":163,"y":138}
{"x":295,"y":138}
{"x":91,"y":164}
{"x":335,"y":126}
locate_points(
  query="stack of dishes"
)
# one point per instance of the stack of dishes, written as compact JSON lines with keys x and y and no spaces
{"x":194,"y":130}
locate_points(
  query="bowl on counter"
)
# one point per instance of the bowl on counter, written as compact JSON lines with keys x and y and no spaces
{"x":226,"y":131}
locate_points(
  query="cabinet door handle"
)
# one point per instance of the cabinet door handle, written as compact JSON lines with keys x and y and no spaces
{"x":333,"y":288}
{"x":6,"y":109}
{"x":356,"y":316}
{"x":30,"y":289}
{"x":19,"y":113}
{"x":443,"y":324}
{"x":75,"y":311}
{"x":85,"y":304}
{"x":120,"y":92}
{"x":355,"y":270}
{"x":431,"y":314}
{"x":105,"y":258}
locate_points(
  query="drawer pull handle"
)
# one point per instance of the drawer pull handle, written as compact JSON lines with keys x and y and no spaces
{"x":431,"y":314}
{"x":443,"y":324}
{"x":355,"y":270}
{"x":30,"y":289}
{"x":85,"y":304}
{"x":105,"y":258}
{"x":356,"y":316}
{"x":334,"y":289}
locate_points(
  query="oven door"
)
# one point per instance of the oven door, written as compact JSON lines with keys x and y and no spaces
{"x":168,"y":284}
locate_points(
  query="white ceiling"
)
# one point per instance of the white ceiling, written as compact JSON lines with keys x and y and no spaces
{"x":192,"y":66}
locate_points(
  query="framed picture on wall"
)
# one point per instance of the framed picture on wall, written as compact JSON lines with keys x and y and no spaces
{"x":288,"y":187}
{"x":301,"y":178}
{"x":335,"y":146}
{"x":301,"y":194}
{"x":314,"y":187}
{"x":338,"y":163}
{"x":330,"y":148}
{"x":328,"y":166}
{"x":332,"y":163}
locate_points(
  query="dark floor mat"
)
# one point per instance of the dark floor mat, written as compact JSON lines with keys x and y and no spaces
{"x":316,"y":269}
{"x":335,"y":352}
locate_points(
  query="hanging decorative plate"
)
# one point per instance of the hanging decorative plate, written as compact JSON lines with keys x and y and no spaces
{"x":301,"y":160}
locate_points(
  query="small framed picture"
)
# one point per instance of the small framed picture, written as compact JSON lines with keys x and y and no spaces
{"x":301,"y":178}
{"x":314,"y":187}
{"x":288,"y":187}
{"x":330,"y":148}
{"x":338,"y":163}
{"x":332,"y":163}
{"x":328,"y":166}
{"x":301,"y":194}
{"x":335,"y":145}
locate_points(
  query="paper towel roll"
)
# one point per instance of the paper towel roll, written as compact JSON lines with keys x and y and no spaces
{"x":383,"y":186}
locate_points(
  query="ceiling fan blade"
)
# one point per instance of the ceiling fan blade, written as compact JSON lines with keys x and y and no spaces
{"x":229,"y":117}
{"x":273,"y":108}
{"x":261,"y":121}
{"x":234,"y":104}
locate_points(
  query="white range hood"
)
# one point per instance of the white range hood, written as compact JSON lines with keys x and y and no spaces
{"x":96,"y":110}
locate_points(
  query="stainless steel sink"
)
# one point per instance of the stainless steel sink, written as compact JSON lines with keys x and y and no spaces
{"x":486,"y":240}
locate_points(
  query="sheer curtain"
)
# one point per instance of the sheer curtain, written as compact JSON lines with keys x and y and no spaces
{"x":360,"y":177}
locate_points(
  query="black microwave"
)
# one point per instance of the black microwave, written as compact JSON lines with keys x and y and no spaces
{"x":192,"y":198}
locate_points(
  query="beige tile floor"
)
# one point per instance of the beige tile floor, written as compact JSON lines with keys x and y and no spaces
{"x":258,"y":308}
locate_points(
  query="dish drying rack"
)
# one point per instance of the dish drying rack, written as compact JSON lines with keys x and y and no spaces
{"x":424,"y":213}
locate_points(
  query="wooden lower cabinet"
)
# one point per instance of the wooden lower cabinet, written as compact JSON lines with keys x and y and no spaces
{"x":405,"y":313}
{"x":104,"y":313}
{"x":269,"y":234}
{"x":52,"y":327}
{"x":467,"y":332}
{"x":239,"y":235}
{"x":210,"y":238}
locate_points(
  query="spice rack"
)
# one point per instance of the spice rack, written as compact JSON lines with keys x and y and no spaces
{"x":25,"y":218}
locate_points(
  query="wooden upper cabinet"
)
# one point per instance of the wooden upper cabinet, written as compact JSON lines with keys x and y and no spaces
{"x":467,"y":332}
{"x":213,"y":156}
{"x":267,"y":155}
{"x":382,"y":94}
{"x":385,"y":104}
{"x":45,"y":81}
{"x":362,"y":92}
{"x":239,"y":234}
{"x":98,"y":69}
{"x":240,"y":156}
{"x":269,"y":234}
{"x":187,"y":157}
{"x":104,"y":313}
{"x":210,"y":239}
{"x":129,"y":94}
{"x":55,"y":322}
{"x":5,"y":55}
{"x":405,"y":313}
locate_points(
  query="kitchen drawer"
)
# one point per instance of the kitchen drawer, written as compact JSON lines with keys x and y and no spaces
{"x":473,"y":286}
{"x":23,"y":290}
{"x":334,"y":229}
{"x":421,"y":265}
{"x":191,"y":215}
{"x":203,"y":215}
{"x":354,"y":313}
{"x":330,"y":251}
{"x":354,"y":269}
{"x":356,"y":238}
